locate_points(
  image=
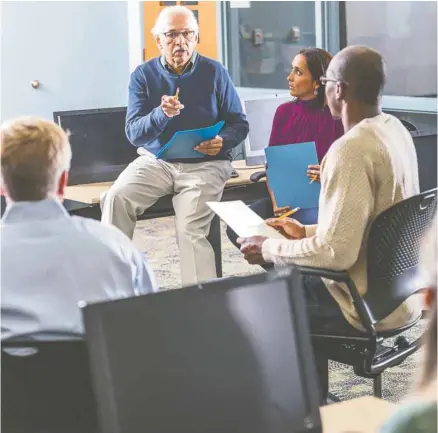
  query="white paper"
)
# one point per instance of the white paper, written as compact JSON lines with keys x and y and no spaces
{"x":242,"y":219}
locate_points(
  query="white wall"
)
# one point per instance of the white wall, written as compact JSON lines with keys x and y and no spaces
{"x":78,"y":51}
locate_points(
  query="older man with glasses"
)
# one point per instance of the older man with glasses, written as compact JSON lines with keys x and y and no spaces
{"x":180,"y":90}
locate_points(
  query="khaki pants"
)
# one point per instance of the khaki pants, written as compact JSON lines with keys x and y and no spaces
{"x":147,"y":179}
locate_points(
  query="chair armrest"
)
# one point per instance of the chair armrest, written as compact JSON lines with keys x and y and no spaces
{"x":339,"y":276}
{"x":255,"y":177}
{"x":363,"y":311}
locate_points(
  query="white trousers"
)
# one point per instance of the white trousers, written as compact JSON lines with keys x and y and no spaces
{"x":147,"y":179}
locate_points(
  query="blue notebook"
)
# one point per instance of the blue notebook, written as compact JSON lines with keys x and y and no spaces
{"x":181,"y":145}
{"x":287,"y":174}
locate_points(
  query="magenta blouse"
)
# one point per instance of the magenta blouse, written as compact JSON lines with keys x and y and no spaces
{"x":304,"y":121}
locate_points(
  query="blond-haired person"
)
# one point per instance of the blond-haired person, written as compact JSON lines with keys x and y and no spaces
{"x":50,"y":260}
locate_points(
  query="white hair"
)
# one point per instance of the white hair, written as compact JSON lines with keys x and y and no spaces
{"x":166,"y":13}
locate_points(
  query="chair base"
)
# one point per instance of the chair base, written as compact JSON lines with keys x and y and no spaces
{"x":333,"y":398}
{"x":377,"y":391}
{"x":377,"y":386}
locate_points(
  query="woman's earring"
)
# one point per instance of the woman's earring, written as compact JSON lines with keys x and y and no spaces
{"x":315,"y":92}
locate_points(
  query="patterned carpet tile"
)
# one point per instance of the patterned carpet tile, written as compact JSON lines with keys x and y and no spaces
{"x":157,"y":239}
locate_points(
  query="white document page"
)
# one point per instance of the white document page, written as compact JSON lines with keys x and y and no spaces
{"x":242,"y":219}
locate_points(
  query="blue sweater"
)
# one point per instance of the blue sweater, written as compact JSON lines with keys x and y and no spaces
{"x":208,"y":96}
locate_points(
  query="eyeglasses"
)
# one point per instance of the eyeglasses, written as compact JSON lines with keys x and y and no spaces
{"x":188,"y":35}
{"x":324,"y":80}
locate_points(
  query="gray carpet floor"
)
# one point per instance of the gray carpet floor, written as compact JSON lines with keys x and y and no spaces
{"x":157,"y":239}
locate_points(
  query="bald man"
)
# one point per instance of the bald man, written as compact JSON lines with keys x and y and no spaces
{"x":371,"y":167}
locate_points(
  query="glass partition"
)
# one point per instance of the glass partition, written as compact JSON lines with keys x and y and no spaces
{"x":263,"y":38}
{"x":405,"y":32}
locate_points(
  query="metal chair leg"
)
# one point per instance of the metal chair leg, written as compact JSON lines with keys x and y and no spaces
{"x":377,"y":386}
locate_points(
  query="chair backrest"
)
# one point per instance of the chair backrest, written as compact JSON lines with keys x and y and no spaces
{"x":393,"y":252}
{"x":46,"y":387}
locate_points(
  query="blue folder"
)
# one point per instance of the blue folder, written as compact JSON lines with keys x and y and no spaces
{"x":181,"y":145}
{"x":287,"y":175}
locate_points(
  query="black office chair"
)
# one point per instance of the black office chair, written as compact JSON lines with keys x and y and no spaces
{"x":46,"y":389}
{"x":392,"y":271}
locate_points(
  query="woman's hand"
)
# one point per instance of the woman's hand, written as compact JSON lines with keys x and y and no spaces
{"x":288,"y":227}
{"x":278,"y":211}
{"x":313,"y":172}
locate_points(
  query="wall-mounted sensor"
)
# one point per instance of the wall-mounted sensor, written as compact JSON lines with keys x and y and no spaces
{"x":294,"y":34}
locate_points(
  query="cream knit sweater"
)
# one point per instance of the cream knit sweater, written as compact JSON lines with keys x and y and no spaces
{"x":370,"y":168}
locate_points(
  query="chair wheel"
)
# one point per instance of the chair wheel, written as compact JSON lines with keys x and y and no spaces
{"x":332,"y":398}
{"x":402,"y":342}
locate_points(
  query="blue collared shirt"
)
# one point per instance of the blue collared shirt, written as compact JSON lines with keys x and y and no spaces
{"x":52,"y":261}
{"x":188,"y":67}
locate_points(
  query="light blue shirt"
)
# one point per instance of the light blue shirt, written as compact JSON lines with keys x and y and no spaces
{"x":52,"y":261}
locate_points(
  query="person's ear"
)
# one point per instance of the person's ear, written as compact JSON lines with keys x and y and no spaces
{"x":159,"y":42}
{"x":340,"y":92}
{"x":63,"y":180}
{"x":2,"y":189}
